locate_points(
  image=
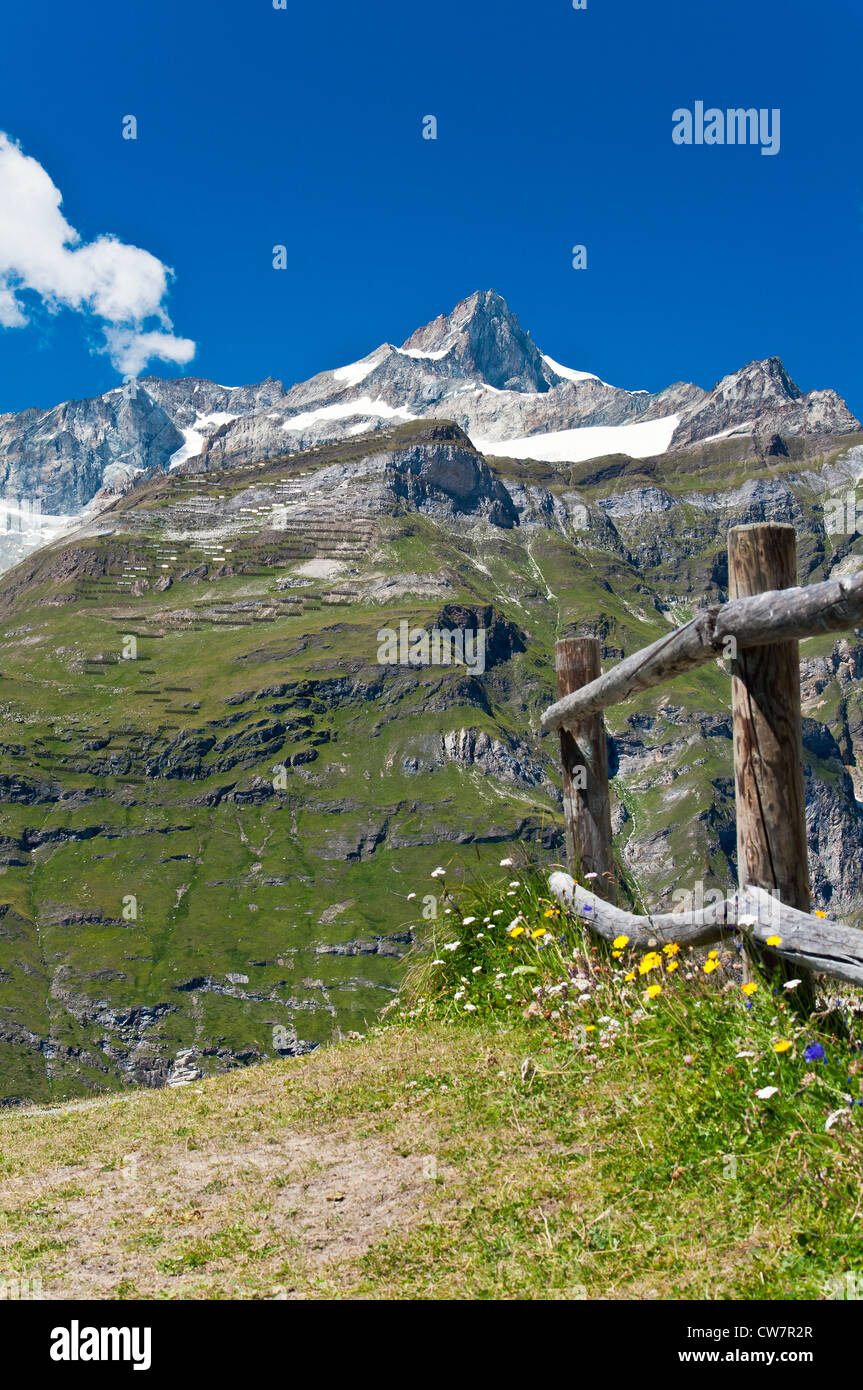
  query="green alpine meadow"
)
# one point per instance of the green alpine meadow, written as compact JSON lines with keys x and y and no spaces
{"x":221,"y":812}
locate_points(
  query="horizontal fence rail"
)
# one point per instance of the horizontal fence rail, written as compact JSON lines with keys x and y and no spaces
{"x":806,"y":942}
{"x":779,"y":615}
{"x":757,"y":631}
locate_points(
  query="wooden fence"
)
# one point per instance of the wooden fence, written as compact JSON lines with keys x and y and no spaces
{"x":758,"y":629}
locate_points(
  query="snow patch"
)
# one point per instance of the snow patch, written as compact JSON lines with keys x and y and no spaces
{"x":193,"y":439}
{"x":355,"y":372}
{"x":343,"y":410}
{"x":193,"y":443}
{"x":749,"y":427}
{"x":569,"y":372}
{"x":428,"y":356}
{"x":639,"y":440}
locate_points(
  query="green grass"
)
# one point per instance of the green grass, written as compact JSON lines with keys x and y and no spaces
{"x":575,"y":1139}
{"x":251,"y":888}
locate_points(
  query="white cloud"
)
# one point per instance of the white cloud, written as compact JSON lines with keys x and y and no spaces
{"x":131,"y":351}
{"x":122,"y":285}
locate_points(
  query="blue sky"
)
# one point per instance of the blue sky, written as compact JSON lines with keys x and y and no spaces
{"x":302,"y":127}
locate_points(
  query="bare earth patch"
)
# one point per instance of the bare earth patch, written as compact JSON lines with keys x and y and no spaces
{"x":320,"y":1198}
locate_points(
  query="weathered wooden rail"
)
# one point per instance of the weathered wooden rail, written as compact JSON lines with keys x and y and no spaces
{"x":808,"y":943}
{"x":758,"y":629}
{"x":775,"y":616}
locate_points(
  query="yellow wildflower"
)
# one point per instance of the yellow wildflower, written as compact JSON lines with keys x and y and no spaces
{"x":750,"y":988}
{"x":540,"y":931}
{"x":619,"y":942}
{"x":516,"y":931}
{"x":650,"y":962}
{"x":671,"y":949}
{"x":672,"y":965}
{"x":710,"y":966}
{"x":630,"y":976}
{"x":782,"y":1045}
{"x":774,"y":941}
{"x":653,"y":990}
{"x":819,"y":913}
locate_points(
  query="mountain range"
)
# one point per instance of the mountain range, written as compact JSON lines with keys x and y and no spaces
{"x":220,"y":812}
{"x":475,"y":366}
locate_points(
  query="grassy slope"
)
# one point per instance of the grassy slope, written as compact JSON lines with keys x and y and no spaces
{"x":270,"y":890}
{"x":484,"y":1154}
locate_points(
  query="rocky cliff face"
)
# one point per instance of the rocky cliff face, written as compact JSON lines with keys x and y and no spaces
{"x":475,"y":366}
{"x":485,"y":341}
{"x":763,"y":401}
{"x":220,"y":805}
{"x":65,"y":456}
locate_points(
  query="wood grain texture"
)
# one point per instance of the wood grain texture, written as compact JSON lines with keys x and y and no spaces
{"x":768,"y":744}
{"x":809,"y":943}
{"x":584,"y":759}
{"x":777,"y":616}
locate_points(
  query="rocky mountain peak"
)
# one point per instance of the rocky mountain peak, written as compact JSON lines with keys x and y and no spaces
{"x":762,"y":399}
{"x":767,"y":378}
{"x":486,"y":339}
{"x":475,"y":365}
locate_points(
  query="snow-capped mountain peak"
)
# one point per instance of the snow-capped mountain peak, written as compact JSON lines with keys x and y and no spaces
{"x":475,"y":365}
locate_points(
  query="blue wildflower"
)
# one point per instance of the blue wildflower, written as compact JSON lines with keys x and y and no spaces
{"x":814,"y":1053}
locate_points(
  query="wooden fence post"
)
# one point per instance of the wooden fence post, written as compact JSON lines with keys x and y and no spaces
{"x":584,"y":755}
{"x":768,"y":767}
